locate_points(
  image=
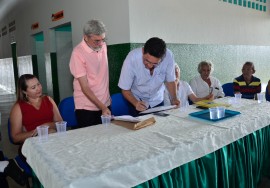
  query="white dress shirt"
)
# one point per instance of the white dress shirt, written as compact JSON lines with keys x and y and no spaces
{"x":183,"y":91}
{"x":137,"y":78}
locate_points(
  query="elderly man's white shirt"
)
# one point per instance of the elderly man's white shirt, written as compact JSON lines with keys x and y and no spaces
{"x":183,"y":92}
{"x":202,"y":89}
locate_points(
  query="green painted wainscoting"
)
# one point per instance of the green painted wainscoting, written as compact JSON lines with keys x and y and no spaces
{"x":15,"y":64}
{"x":227,"y":60}
{"x":116,"y":56}
{"x":35,"y":65}
{"x":55,"y":83}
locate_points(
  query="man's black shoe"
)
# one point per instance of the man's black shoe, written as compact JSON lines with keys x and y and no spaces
{"x":14,"y":171}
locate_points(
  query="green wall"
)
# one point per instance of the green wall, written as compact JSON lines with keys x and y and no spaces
{"x":227,"y":60}
{"x":116,"y":56}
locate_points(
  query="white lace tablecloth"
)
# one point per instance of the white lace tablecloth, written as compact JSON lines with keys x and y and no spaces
{"x":118,"y":157}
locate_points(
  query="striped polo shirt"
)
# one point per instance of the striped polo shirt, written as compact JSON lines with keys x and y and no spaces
{"x":248,"y":91}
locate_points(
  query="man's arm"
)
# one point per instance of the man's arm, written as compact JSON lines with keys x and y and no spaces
{"x":139,"y":105}
{"x":171,"y":86}
{"x":91,"y":96}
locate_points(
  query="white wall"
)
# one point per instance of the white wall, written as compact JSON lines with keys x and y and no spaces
{"x":198,"y":22}
{"x":113,"y":13}
{"x":176,"y":21}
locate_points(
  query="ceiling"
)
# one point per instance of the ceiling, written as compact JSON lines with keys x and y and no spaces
{"x":7,"y":5}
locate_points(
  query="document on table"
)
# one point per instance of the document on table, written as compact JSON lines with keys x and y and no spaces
{"x":158,"y":109}
{"x":131,"y":118}
{"x":127,"y":118}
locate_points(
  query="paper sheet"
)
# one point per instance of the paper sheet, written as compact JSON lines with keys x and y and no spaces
{"x":127,"y":118}
{"x":158,"y":109}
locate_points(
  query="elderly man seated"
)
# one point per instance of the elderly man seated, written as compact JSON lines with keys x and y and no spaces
{"x":247,"y":84}
{"x":184,"y":91}
{"x":205,"y":84}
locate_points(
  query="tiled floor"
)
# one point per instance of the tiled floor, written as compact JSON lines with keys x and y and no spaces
{"x":10,"y":150}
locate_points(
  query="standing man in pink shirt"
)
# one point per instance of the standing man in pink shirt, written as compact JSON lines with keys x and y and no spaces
{"x":89,"y":67}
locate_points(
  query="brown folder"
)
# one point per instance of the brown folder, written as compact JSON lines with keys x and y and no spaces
{"x":137,"y":125}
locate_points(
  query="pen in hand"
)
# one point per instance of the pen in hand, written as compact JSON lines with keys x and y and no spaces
{"x":141,"y":105}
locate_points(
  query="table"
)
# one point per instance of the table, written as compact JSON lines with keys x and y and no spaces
{"x":161,"y":154}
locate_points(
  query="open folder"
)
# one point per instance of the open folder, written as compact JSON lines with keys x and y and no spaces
{"x":134,"y":123}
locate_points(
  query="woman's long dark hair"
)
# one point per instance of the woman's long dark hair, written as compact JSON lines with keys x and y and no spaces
{"x":22,"y":86}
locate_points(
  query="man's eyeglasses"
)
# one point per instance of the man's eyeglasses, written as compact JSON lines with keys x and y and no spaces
{"x":98,"y":41}
{"x":152,"y":64}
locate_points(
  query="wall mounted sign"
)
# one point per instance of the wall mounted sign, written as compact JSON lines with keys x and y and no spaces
{"x":11,"y":26}
{"x":58,"y":15}
{"x":35,"y":26}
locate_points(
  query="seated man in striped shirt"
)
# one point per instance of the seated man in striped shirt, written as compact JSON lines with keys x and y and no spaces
{"x":247,"y":84}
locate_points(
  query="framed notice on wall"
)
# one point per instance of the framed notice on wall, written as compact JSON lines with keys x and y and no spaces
{"x":58,"y":15}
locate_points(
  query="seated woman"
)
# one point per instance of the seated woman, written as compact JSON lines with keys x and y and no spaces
{"x":247,"y":84}
{"x":31,"y":109}
{"x":184,"y":91}
{"x":267,"y":91}
{"x":205,"y":84}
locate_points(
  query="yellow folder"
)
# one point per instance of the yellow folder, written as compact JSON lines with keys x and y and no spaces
{"x":210,"y":104}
